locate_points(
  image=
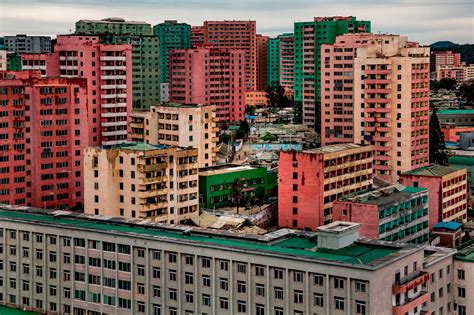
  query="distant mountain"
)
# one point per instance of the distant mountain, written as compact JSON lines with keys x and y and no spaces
{"x":466,"y":50}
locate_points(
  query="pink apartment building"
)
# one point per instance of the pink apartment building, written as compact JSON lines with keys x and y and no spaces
{"x":108,"y":70}
{"x":444,"y":58}
{"x":197,"y":36}
{"x":212,"y":76}
{"x":43,"y":132}
{"x":375,"y":90}
{"x":236,"y":35}
{"x":261,"y":62}
{"x":287,"y":57}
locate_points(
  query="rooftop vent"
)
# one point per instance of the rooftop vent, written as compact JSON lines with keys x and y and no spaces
{"x":338,"y":234}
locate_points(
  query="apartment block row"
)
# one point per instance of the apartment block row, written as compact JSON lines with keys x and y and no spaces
{"x":59,"y":262}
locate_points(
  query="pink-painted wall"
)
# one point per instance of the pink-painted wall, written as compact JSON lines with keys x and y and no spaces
{"x":365,"y":214}
{"x":310,"y":182}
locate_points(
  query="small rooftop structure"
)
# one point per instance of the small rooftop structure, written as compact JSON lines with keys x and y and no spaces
{"x":434,"y":170}
{"x":224,"y":169}
{"x":338,"y":234}
{"x":113,"y":20}
{"x":448,"y":225}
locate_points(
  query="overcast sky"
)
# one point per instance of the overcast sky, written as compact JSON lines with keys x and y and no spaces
{"x":425,"y":21}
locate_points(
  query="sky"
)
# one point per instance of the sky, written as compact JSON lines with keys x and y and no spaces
{"x":425,"y":21}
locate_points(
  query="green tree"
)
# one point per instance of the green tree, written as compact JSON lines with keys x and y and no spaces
{"x":277,"y":98}
{"x":438,"y":152}
{"x":237,"y":192}
{"x":445,"y":83}
{"x":259,"y":196}
{"x":244,"y":130}
{"x":269,"y":137}
{"x":466,"y":91}
{"x":224,"y":138}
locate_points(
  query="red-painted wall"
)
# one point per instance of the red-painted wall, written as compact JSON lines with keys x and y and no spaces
{"x":365,"y":214}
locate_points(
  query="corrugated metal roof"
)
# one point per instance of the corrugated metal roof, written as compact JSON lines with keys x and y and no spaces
{"x":448,"y":225}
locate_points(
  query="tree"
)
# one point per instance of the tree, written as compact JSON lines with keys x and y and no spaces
{"x":445,"y":83}
{"x":237,"y":192}
{"x":244,"y":130}
{"x":259,"y":196}
{"x":269,"y":137}
{"x":466,"y":91}
{"x":224,"y":138}
{"x":277,"y":98}
{"x":438,"y":152}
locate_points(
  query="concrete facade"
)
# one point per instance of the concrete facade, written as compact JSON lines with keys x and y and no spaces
{"x":44,"y":129}
{"x":447,"y":189}
{"x":261,"y":62}
{"x":444,"y":58}
{"x":23,"y":44}
{"x":273,"y":61}
{"x":308,"y":38}
{"x":287,"y":61}
{"x":197,"y":36}
{"x":139,"y":180}
{"x":3,"y":60}
{"x":236,"y":35}
{"x":209,"y":76}
{"x":310,"y":181}
{"x":111,"y":266}
{"x":171,"y":35}
{"x":394,"y":213}
{"x":256,"y":99}
{"x":145,"y":54}
{"x":108,"y":70}
{"x":179,"y":125}
{"x":464,"y":279}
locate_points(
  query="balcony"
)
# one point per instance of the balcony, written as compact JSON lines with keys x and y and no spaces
{"x":68,"y":58}
{"x":151,"y":167}
{"x":114,"y":133}
{"x":157,"y":179}
{"x":113,"y":123}
{"x":410,"y":304}
{"x":113,"y":86}
{"x":116,"y":114}
{"x":410,"y":282}
{"x":112,"y":58}
{"x":113,"y":142}
{"x":113,"y":68}
{"x":113,"y":105}
{"x":113,"y":77}
{"x":137,"y":125}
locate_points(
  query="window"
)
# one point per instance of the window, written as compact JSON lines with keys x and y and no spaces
{"x":206,"y":263}
{"x":318,"y":300}
{"x":206,"y":300}
{"x":339,"y":303}
{"x":279,"y":311}
{"x":462,"y":292}
{"x":259,"y":309}
{"x":298,"y":297}
{"x":318,"y":280}
{"x":298,"y":276}
{"x":206,"y":281}
{"x":241,"y":307}
{"x":189,"y":260}
{"x":338,"y":283}
{"x":171,"y":257}
{"x":188,"y":278}
{"x":241,"y":287}
{"x":461,"y":274}
{"x":224,"y":265}
{"x":360,"y":286}
{"x":360,"y":308}
{"x":278,"y":273}
{"x":224,"y":303}
{"x":224,"y":284}
{"x":259,"y":271}
{"x":260,"y":289}
{"x":172,"y":294}
{"x":189,"y":297}
{"x":241,"y":268}
{"x":156,"y":291}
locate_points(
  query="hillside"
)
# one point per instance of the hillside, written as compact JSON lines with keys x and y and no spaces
{"x":466,"y":50}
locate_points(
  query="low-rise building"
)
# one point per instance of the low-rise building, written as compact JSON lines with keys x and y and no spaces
{"x":216,"y":184}
{"x":310,"y":181}
{"x":96,"y":264}
{"x":179,"y":125}
{"x":453,"y":133}
{"x":447,"y":188}
{"x":393,"y":213}
{"x":256,"y":99}
{"x":465,"y":162}
{"x":449,"y":233}
{"x":456,"y":117}
{"x":139,"y":180}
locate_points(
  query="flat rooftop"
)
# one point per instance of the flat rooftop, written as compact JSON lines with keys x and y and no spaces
{"x":225,"y":169}
{"x":15,"y":311}
{"x":364,"y":253}
{"x":433,"y":170}
{"x":466,"y":252}
{"x":455,"y":112}
{"x":135,"y":146}
{"x":383,"y":196}
{"x":114,"y":20}
{"x":334,"y":148}
{"x":433,"y":254}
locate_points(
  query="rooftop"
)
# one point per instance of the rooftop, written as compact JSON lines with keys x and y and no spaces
{"x":364,"y":253}
{"x":334,"y":148}
{"x":113,"y":20}
{"x":466,"y":252}
{"x":448,"y":225}
{"x":14,"y":311}
{"x":383,"y":196}
{"x":462,"y":160}
{"x":134,"y":146}
{"x":434,"y":170}
{"x":456,"y":112}
{"x":225,"y":169}
{"x":433,"y":254}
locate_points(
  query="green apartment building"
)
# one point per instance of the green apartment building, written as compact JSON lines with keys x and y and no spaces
{"x":309,"y":36}
{"x":13,"y":62}
{"x":145,"y":54}
{"x":172,"y":35}
{"x":273,"y":61}
{"x":215,"y":183}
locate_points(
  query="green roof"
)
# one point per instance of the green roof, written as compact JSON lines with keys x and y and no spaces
{"x":434,"y":170}
{"x":411,"y":189}
{"x":135,"y":146}
{"x":357,"y":254}
{"x":13,"y":311}
{"x":461,"y":160}
{"x":456,"y":112}
{"x":466,"y":252}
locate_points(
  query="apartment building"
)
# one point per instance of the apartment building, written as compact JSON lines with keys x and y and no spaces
{"x":212,"y":76}
{"x":393,"y":213}
{"x":23,"y":44}
{"x":139,"y":180}
{"x":171,"y":35}
{"x":43,"y":132}
{"x":444,"y":58}
{"x":447,"y":189}
{"x":280,"y":61}
{"x":240,"y":35}
{"x":197,"y":36}
{"x":273,"y":61}
{"x":3,"y":60}
{"x":366,"y":80}
{"x":463,"y":278}
{"x":261,"y":55}
{"x":145,"y":54}
{"x":76,"y":264}
{"x":310,"y":181}
{"x":178,"y":125}
{"x":308,"y":38}
{"x":257,"y":99}
{"x":108,"y":70}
